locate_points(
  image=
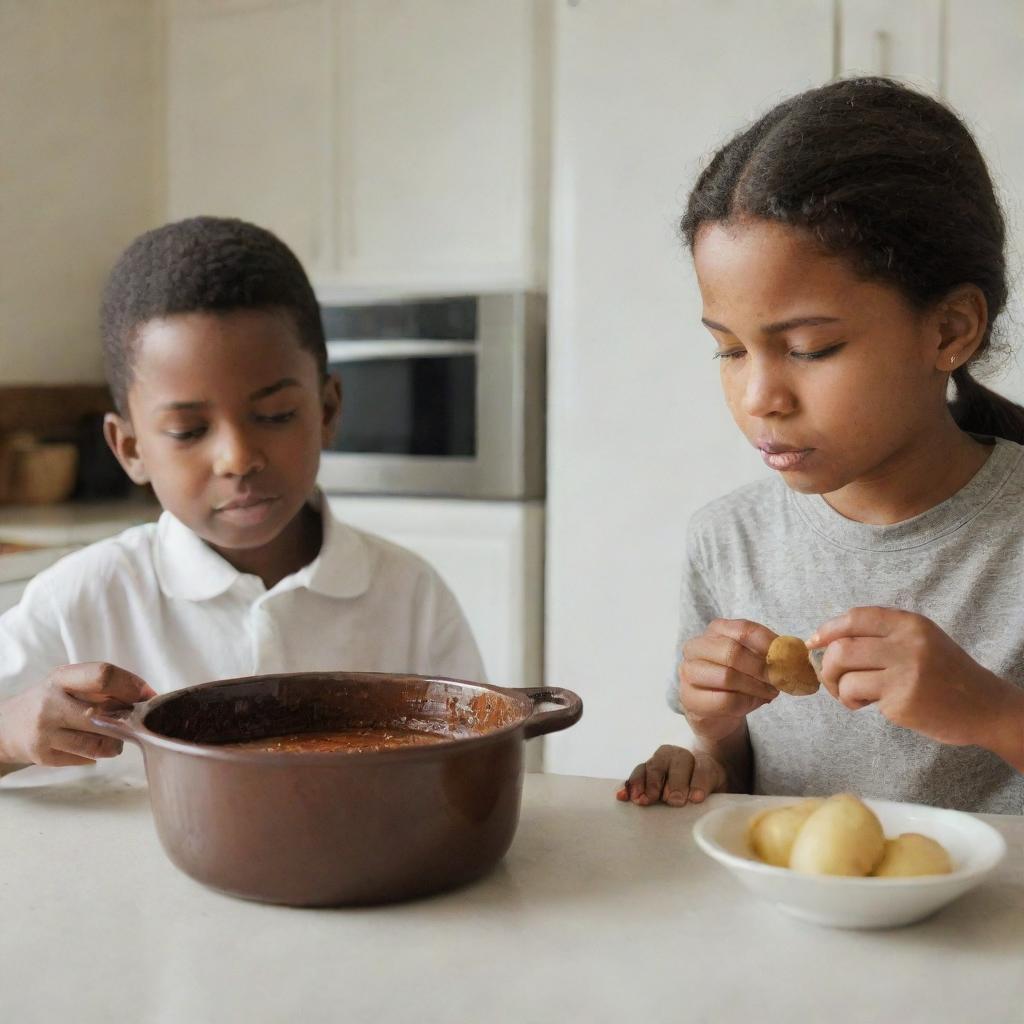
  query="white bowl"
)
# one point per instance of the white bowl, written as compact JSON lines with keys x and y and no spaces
{"x":974,"y":847}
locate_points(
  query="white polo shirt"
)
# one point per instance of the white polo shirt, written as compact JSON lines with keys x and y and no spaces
{"x":157,"y":601}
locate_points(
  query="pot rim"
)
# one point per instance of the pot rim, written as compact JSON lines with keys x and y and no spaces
{"x":130,"y":723}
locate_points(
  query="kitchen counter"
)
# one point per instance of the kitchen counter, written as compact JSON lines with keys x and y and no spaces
{"x":600,"y":912}
{"x":56,"y":530}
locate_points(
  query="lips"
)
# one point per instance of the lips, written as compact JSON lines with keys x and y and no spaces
{"x":246,"y":511}
{"x":244,"y":501}
{"x":782,"y":456}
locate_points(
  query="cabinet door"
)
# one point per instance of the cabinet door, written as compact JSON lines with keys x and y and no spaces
{"x":638,"y":434}
{"x":985,"y":84}
{"x":442,"y":142}
{"x":248,"y":117}
{"x":879,"y":37}
{"x":491,"y":556}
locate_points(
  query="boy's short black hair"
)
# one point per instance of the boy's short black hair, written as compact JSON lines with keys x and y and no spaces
{"x":202,"y":265}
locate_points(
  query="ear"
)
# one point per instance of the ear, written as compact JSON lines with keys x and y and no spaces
{"x":962,"y":319}
{"x":121,"y":439}
{"x":330,"y":404}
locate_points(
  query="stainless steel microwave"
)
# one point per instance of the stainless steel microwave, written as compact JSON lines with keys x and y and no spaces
{"x":439,"y":397}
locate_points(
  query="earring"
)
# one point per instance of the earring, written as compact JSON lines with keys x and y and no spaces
{"x":952,"y":360}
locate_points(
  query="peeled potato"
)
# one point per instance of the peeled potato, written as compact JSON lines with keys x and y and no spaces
{"x":789,"y":667}
{"x":842,"y":837}
{"x":913,"y":854}
{"x":772,"y":832}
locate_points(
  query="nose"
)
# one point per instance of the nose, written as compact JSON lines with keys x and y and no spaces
{"x":766,"y":389}
{"x":236,"y":454}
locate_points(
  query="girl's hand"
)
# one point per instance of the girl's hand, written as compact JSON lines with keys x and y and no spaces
{"x":919,"y":678}
{"x":673,"y":775}
{"x":724,"y":676}
{"x":49,"y":723}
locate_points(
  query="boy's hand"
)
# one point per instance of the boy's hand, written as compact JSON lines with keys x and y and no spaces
{"x":673,"y":775}
{"x":49,"y":723}
{"x":919,"y":678}
{"x":724,"y":676}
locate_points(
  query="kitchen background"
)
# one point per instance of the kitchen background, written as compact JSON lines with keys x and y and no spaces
{"x":444,"y":148}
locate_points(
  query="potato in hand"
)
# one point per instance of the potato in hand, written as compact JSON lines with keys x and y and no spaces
{"x":789,"y":667}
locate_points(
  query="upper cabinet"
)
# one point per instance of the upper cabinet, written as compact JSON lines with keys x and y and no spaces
{"x":879,"y":37}
{"x":248,"y":118}
{"x":395,"y":144}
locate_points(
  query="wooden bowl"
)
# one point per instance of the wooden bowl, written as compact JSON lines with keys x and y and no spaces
{"x":42,"y":474}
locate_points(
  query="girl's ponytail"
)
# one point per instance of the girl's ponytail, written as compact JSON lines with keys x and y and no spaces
{"x":979,"y":410}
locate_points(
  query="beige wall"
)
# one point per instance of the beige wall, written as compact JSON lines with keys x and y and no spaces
{"x":80,"y":172}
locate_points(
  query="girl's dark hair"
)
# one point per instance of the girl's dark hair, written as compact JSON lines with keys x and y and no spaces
{"x":892,"y":181}
{"x":202,"y":265}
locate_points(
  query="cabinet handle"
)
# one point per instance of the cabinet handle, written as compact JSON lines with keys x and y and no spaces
{"x":883,"y":52}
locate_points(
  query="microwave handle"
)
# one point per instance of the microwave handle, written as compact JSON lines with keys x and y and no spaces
{"x":358,"y":351}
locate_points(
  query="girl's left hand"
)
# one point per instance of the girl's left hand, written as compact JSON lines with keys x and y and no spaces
{"x":916,"y":675}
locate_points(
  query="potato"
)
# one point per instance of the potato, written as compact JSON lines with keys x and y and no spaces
{"x":789,"y":667}
{"x":913,"y":854}
{"x":773,"y":831}
{"x":842,"y":837}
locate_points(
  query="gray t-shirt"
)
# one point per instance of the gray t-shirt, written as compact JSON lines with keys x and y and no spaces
{"x":788,"y":560}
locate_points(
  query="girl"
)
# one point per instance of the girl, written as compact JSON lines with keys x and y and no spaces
{"x":850,"y":254}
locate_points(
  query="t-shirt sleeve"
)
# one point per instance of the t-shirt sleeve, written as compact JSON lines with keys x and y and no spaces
{"x":697,"y":608}
{"x":31,"y":639}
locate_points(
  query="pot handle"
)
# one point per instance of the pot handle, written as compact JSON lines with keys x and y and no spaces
{"x":116,"y":722}
{"x":568,"y":713}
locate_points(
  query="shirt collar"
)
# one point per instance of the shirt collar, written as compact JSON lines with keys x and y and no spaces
{"x":187,"y":568}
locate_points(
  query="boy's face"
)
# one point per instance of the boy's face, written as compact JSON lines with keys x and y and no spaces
{"x":227,"y":417}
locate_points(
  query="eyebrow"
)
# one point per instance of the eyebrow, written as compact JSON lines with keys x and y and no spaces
{"x":780,"y":326}
{"x":270,"y":389}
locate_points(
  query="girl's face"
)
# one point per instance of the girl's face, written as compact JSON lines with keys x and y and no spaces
{"x":833,"y":378}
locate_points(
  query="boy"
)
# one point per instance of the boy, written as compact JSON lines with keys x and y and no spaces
{"x":217,"y":362}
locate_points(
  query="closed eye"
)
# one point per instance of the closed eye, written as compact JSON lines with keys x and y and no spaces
{"x":822,"y":353}
{"x":186,"y":435}
{"x":281,"y":417}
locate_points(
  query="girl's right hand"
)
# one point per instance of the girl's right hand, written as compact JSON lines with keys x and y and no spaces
{"x":724,"y":676}
{"x":49,"y":723}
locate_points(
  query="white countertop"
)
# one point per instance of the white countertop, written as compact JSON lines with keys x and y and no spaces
{"x":60,"y":529}
{"x":600,"y":912}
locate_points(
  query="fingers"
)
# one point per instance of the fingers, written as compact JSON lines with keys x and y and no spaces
{"x":850,"y":655}
{"x":86,"y":745}
{"x":859,"y":689}
{"x":706,"y":703}
{"x":716,"y":675}
{"x":708,"y":777}
{"x":676,"y":788}
{"x":98,"y":681}
{"x":664,"y":776}
{"x":752,"y":635}
{"x":857,"y":622}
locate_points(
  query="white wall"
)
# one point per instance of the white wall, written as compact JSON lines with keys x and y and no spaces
{"x":638,"y":434}
{"x":80,"y":172}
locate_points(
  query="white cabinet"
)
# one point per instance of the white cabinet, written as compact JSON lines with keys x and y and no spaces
{"x":491,"y":555}
{"x":879,"y":37}
{"x":638,"y":434}
{"x":396,"y":145}
{"x":248,"y":108}
{"x":970,"y":54}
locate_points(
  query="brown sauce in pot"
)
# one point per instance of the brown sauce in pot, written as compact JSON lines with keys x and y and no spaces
{"x":341,"y":741}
